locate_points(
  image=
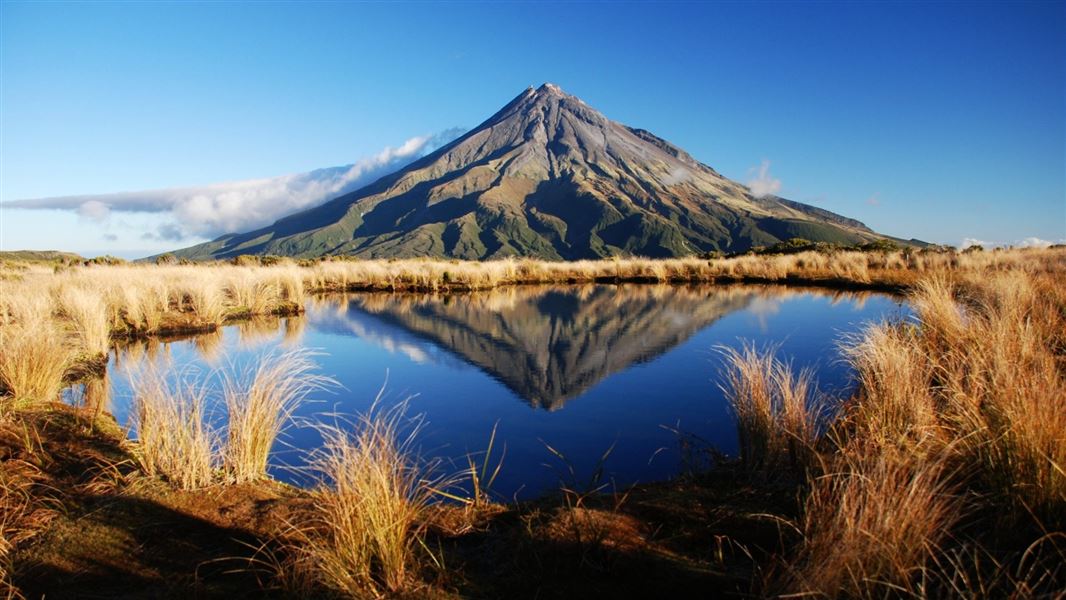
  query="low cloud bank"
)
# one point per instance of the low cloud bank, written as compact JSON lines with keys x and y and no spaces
{"x":237,"y":206}
{"x":1029,"y":242}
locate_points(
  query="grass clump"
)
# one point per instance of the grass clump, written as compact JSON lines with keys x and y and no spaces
{"x":871,"y":529}
{"x":261,"y":404}
{"x":894,"y":408}
{"x":778,"y":410}
{"x":34,"y":356}
{"x":174,"y":438}
{"x":369,"y":509}
{"x":207,"y":300}
{"x":88,"y":313}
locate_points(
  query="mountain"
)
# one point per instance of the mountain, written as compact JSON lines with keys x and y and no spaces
{"x":546,"y":344}
{"x":547,"y":176}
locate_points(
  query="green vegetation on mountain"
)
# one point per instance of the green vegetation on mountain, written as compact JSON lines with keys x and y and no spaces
{"x":547,"y":177}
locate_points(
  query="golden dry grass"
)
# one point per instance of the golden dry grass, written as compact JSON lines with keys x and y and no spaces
{"x":34,"y":356}
{"x":966,"y":404}
{"x":87,"y":311}
{"x":19,"y":518}
{"x":870,"y":529}
{"x":778,"y":410}
{"x":140,"y":299}
{"x":174,"y":439}
{"x":261,"y":404}
{"x":961,"y":410}
{"x":369,"y":511}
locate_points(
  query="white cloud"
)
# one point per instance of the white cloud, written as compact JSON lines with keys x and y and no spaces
{"x":677,"y":175}
{"x":1029,"y":242}
{"x":238,"y":206}
{"x":1035,"y":242}
{"x":762,"y":183}
{"x":94,"y":210}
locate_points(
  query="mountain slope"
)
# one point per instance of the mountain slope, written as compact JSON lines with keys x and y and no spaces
{"x":550,"y":177}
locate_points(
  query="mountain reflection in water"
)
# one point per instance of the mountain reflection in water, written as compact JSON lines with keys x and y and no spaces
{"x":547,"y":344}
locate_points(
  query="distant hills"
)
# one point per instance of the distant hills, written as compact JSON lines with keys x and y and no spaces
{"x":549,"y":177}
{"x":43,"y":256}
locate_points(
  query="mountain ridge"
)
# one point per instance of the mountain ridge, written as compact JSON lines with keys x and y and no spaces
{"x":546,"y":176}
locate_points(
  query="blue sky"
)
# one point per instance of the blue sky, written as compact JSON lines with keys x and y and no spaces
{"x":939,"y":121}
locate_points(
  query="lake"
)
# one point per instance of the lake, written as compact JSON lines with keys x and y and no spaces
{"x":582,"y":369}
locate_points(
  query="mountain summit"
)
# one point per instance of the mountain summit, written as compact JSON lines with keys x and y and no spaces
{"x":547,"y":176}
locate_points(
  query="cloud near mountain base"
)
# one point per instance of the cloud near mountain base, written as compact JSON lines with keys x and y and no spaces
{"x":1029,"y":242}
{"x":212,"y":210}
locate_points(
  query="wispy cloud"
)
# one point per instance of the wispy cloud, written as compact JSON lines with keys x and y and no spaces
{"x":762,"y":183}
{"x":236,"y":206}
{"x":677,"y":175}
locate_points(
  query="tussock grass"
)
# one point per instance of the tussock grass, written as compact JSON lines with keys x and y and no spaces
{"x":147,"y":298}
{"x":895,"y":408}
{"x":19,"y":518}
{"x":87,"y":311}
{"x":778,"y":410}
{"x":261,"y":404}
{"x":207,"y":300}
{"x":26,"y":301}
{"x":369,"y":509}
{"x":956,"y":430}
{"x":34,"y":356}
{"x":983,"y":372}
{"x":960,"y":412}
{"x":174,"y":438}
{"x":973,"y":572}
{"x":872,"y":529}
{"x":249,"y":292}
{"x":1010,"y":392}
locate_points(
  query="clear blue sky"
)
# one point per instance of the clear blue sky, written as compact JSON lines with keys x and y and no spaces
{"x":940,"y":121}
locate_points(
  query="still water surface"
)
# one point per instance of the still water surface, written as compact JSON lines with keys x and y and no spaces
{"x":580,"y":368}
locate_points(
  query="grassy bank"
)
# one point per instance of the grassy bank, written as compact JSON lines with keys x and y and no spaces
{"x":945,"y":473}
{"x":84,"y":307}
{"x":940,"y":475}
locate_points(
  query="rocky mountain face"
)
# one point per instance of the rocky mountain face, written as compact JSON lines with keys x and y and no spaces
{"x":550,"y":177}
